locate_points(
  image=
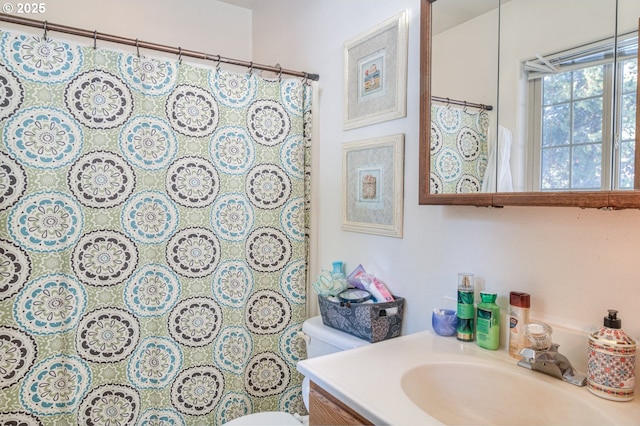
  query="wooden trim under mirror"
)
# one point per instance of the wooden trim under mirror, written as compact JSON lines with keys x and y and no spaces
{"x":587,"y":199}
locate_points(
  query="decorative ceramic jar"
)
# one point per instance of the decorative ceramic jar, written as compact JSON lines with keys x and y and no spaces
{"x":611,"y":361}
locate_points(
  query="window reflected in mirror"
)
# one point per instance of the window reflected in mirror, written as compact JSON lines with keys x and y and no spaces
{"x":583,"y":123}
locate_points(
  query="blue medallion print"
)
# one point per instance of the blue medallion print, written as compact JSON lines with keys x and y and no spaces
{"x":232,"y":283}
{"x":232,"y":89}
{"x":449,"y":119}
{"x":43,"y":137}
{"x":148,"y":142}
{"x":161,"y":417}
{"x":293,"y":97}
{"x":292,"y":156}
{"x":232,"y":150}
{"x":46,"y":222}
{"x":293,"y":282}
{"x":56,"y":385}
{"x":232,"y":217}
{"x":148,"y":76}
{"x":292,"y":345}
{"x":448,"y":165}
{"x":291,"y":400}
{"x":153,"y":290}
{"x":149,"y":217}
{"x":155,"y":363}
{"x":50,"y":304}
{"x":292,"y":219}
{"x":41,"y":60}
{"x":232,"y":349}
{"x":233,"y":405}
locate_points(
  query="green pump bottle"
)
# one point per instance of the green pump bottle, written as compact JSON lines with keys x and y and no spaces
{"x":488,"y":322}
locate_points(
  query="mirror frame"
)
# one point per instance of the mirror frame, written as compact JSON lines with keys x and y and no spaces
{"x":587,"y":199}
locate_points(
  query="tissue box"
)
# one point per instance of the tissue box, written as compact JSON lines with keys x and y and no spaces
{"x":369,"y":321}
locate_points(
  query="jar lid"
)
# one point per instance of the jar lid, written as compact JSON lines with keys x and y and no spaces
{"x":354,"y":295}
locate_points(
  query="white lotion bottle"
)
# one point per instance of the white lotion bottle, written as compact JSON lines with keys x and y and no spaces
{"x":519,"y":304}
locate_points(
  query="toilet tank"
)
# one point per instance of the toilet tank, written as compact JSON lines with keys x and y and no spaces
{"x":324,"y":340}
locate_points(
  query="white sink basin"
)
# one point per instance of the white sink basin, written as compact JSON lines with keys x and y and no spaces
{"x":424,"y":379}
{"x":467,"y":393}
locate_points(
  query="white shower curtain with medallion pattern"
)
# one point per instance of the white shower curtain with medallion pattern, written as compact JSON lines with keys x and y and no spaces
{"x":153,"y":238}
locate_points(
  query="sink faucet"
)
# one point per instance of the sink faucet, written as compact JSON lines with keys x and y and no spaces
{"x":552,"y":362}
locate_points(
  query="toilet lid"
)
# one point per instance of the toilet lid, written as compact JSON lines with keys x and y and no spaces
{"x":279,"y":418}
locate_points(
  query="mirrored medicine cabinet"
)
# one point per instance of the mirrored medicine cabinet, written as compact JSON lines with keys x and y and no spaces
{"x":529,"y":103}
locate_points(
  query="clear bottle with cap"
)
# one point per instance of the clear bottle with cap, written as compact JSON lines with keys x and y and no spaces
{"x":611,"y":361}
{"x":519,"y":304}
{"x":488,"y":321}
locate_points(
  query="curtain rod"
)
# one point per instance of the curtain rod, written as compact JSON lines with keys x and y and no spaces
{"x":48,"y":26}
{"x":463,"y":103}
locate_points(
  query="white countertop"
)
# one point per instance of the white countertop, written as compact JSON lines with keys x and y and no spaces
{"x":368,"y":379}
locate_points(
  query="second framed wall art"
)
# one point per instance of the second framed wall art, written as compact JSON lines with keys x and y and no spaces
{"x":373,"y":186}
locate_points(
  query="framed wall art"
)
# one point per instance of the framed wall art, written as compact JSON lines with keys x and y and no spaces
{"x":373,"y":185}
{"x":375,"y":74}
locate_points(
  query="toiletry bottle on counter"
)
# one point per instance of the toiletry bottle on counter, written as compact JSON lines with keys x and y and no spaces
{"x":611,"y":361}
{"x":466,"y":310}
{"x":519,"y":304}
{"x":338,"y":269}
{"x":488,"y":321}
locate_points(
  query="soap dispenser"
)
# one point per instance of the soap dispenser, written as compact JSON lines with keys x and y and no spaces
{"x":611,"y":361}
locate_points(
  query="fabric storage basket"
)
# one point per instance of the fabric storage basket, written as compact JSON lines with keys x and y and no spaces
{"x":369,"y":321}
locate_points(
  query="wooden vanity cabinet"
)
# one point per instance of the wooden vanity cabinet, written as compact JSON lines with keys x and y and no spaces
{"x":326,"y":409}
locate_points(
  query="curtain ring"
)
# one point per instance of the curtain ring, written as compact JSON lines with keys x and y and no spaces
{"x":218,"y":63}
{"x":279,"y":73}
{"x":251,"y":68}
{"x":137,"y":48}
{"x":179,"y":55}
{"x":95,"y":39}
{"x":45,"y":30}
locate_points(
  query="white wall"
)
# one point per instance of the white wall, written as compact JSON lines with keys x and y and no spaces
{"x":205,"y":26}
{"x":575,"y":263}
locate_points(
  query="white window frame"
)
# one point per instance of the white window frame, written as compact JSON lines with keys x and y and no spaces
{"x":570,"y":60}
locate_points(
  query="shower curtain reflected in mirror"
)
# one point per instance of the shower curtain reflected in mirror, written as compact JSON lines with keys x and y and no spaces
{"x":153,"y":237}
{"x":459,"y":149}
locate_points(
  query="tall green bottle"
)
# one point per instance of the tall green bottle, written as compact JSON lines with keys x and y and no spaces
{"x":466,"y":311}
{"x":488,"y":322}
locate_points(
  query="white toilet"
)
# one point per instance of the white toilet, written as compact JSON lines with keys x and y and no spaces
{"x":321,"y":340}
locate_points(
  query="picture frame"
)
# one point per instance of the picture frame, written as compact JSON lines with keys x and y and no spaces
{"x":373,"y":186}
{"x":375,"y":74}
